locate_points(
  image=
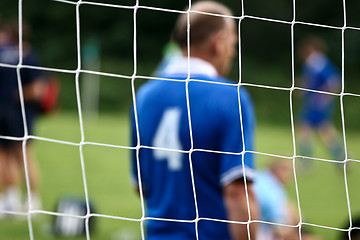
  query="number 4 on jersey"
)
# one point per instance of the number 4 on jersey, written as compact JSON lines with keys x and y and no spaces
{"x":167,"y":136}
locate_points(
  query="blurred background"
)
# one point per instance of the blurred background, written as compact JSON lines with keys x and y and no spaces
{"x":107,"y":46}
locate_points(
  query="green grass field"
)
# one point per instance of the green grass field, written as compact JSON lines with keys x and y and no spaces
{"x":322,"y":190}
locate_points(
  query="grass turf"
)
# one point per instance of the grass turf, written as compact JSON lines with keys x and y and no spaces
{"x":321,"y":190}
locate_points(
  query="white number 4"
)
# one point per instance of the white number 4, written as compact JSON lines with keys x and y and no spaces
{"x":167,"y":136}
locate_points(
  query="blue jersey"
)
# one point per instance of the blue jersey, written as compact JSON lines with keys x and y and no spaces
{"x":319,"y":74}
{"x":164,"y":121}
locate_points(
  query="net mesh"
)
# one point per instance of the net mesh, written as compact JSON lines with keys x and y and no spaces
{"x":239,"y":19}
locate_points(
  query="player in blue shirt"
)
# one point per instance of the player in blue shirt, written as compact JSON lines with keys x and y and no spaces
{"x":319,"y":74}
{"x":11,"y":120}
{"x":200,"y":140}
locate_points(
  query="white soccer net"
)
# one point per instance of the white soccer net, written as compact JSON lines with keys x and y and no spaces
{"x":241,"y":82}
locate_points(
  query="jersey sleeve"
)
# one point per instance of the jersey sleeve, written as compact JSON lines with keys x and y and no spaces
{"x":331,"y":77}
{"x":233,"y":141}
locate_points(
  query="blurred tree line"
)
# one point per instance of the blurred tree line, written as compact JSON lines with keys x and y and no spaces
{"x":265,"y":45}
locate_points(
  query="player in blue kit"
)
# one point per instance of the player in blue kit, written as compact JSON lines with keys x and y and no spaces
{"x":191,"y":159}
{"x":319,"y":74}
{"x":11,"y":119}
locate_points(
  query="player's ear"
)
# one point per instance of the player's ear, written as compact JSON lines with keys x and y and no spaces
{"x":217,"y":42}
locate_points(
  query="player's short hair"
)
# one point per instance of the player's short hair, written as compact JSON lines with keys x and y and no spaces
{"x":315,"y":42}
{"x":11,"y":28}
{"x":202,"y":26}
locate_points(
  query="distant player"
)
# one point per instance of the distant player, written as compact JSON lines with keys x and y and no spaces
{"x":11,"y":119}
{"x":214,"y":116}
{"x":320,"y":74}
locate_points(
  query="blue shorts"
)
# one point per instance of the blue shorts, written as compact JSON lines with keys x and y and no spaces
{"x":316,"y":117}
{"x":11,"y":124}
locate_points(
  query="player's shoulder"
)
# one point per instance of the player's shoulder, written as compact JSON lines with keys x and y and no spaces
{"x":156,"y":89}
{"x":216,"y":85}
{"x":221,"y":91}
{"x":154,"y":85}
{"x":232,"y":88}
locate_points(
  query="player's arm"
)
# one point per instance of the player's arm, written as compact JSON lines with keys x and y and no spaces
{"x":34,"y":90}
{"x":231,"y":166}
{"x":237,"y":209}
{"x":333,"y":84}
{"x":332,"y":79}
{"x":33,"y":81}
